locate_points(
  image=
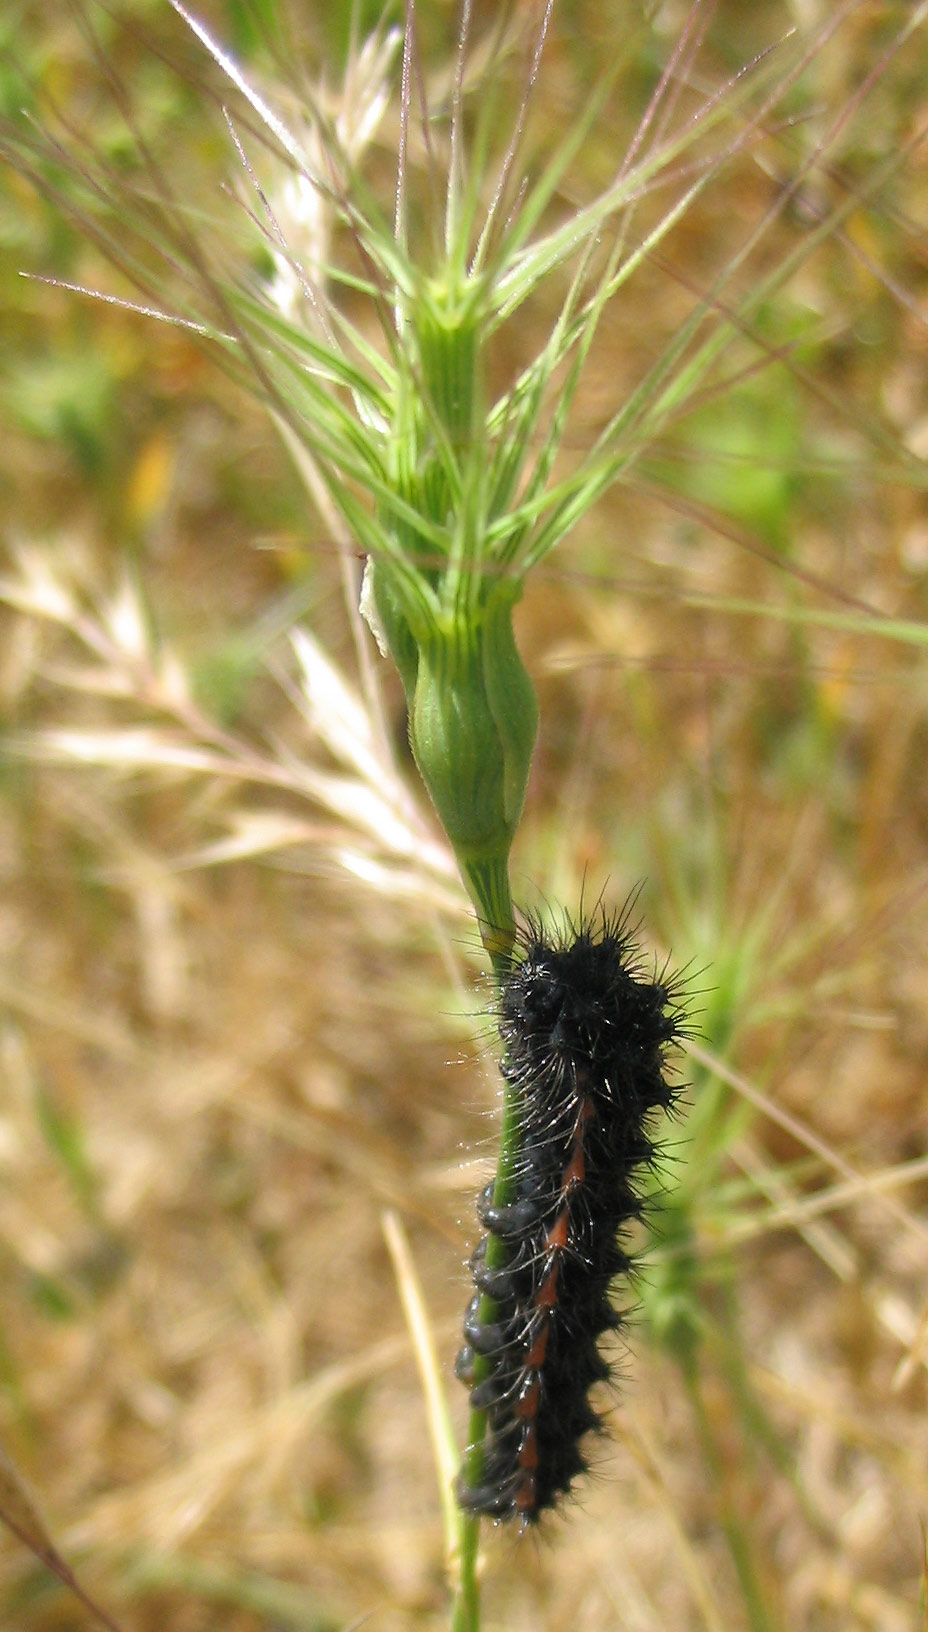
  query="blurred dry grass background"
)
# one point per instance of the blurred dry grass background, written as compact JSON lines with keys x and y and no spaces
{"x":214,"y":1079}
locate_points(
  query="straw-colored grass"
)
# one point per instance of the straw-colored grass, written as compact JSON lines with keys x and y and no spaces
{"x":242,"y":999}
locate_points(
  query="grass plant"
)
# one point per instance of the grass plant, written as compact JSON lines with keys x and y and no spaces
{"x":595,"y":338}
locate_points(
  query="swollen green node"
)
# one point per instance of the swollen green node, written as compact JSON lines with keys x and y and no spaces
{"x":472,"y":727}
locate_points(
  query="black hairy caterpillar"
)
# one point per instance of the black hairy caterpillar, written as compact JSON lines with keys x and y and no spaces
{"x":585,"y":1037}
